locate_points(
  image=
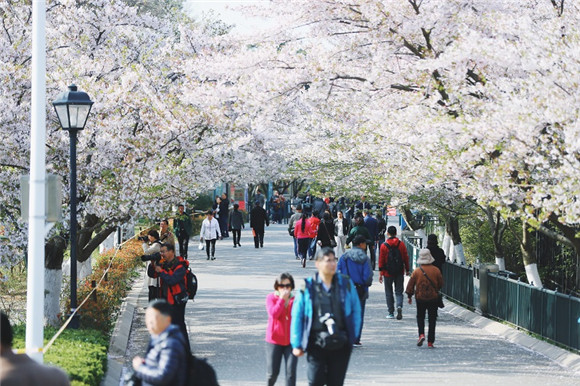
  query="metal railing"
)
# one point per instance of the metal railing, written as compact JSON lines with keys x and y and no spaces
{"x":458,"y":283}
{"x":550,"y":314}
{"x":547,"y":313}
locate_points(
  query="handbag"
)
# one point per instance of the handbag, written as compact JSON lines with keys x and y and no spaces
{"x":440,"y":303}
{"x":201,"y":245}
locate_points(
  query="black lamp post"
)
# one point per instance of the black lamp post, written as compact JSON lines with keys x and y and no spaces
{"x":72,"y":108}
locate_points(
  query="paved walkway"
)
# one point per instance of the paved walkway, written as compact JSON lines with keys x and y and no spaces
{"x":228,"y":319}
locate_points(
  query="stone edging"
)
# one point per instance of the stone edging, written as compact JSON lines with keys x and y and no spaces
{"x":122,"y":331}
{"x":562,"y":357}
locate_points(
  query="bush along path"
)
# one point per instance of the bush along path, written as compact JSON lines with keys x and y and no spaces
{"x":82,"y":353}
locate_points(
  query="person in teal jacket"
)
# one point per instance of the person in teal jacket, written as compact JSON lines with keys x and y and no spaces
{"x":326,"y":318}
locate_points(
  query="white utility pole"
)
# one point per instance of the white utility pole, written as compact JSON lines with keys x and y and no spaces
{"x":36,"y":213}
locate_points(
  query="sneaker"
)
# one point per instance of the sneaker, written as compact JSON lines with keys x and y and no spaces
{"x":390,"y":316}
{"x":213,"y":258}
{"x":357,"y":344}
{"x":239,"y":245}
{"x":430,"y":345}
{"x":235,"y":246}
{"x":421,"y":340}
{"x":399,"y":313}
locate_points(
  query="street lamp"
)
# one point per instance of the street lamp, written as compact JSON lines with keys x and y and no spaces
{"x":72,"y":108}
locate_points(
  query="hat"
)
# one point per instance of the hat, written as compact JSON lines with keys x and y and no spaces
{"x":425,"y":257}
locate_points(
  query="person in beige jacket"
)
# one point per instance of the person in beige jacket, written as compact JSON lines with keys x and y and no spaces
{"x":425,"y":283}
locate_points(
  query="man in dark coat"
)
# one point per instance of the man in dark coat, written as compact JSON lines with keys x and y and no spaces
{"x":258,"y":217}
{"x":224,"y":214}
{"x":183,"y":228}
{"x":436,"y":252}
{"x":372,"y":225}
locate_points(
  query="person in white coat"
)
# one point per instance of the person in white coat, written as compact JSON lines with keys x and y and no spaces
{"x":210,"y":232}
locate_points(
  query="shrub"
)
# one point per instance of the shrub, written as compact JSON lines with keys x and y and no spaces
{"x":81,"y":353}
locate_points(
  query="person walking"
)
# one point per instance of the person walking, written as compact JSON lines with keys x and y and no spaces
{"x":210,"y":232}
{"x":393,"y":263}
{"x":183,"y":228}
{"x":356,"y":264}
{"x":291,"y":224}
{"x":359,"y":229}
{"x":236,"y":223}
{"x":325,"y":237}
{"x":20,"y":369}
{"x":425,"y":284}
{"x":313,"y":223}
{"x":436,"y":252}
{"x":279,"y":307}
{"x":302,"y":235}
{"x":258,"y":217}
{"x":341,"y":229}
{"x":165,"y":362}
{"x":153,"y":246}
{"x":381,"y":230}
{"x":224,"y":206}
{"x":325,"y":322}
{"x":372,"y":225}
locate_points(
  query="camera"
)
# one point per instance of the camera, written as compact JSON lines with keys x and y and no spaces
{"x":143,"y":238}
{"x":156,"y":257}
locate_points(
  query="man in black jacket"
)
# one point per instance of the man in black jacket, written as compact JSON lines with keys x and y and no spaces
{"x":258,"y":217}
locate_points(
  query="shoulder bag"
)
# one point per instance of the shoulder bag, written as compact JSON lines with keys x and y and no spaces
{"x":439,"y":294}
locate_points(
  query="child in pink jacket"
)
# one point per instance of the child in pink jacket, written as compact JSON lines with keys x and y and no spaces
{"x":279,"y":307}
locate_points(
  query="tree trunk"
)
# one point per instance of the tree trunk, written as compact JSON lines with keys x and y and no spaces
{"x":529,"y":257}
{"x":412,"y":221}
{"x":452,"y":227}
{"x":446,"y":244}
{"x":497,"y":231}
{"x":54,"y":255}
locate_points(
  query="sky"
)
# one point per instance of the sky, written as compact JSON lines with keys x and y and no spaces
{"x":244,"y":24}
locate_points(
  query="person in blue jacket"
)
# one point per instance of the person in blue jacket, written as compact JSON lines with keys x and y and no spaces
{"x":356,"y":264}
{"x":325,"y":321}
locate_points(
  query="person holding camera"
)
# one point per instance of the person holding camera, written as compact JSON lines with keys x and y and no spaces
{"x":166,"y":360}
{"x":151,"y":247}
{"x":171,"y":271}
{"x":325,"y":321}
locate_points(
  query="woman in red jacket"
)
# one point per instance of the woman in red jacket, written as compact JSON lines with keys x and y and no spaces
{"x":302,"y":232}
{"x":279,"y":307}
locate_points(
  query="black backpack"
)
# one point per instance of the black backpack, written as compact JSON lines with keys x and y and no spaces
{"x":200,"y":373}
{"x":394,"y":265}
{"x":191,"y":283}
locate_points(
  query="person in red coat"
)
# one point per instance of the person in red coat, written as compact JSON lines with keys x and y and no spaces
{"x":396,"y":279}
{"x":279,"y":307}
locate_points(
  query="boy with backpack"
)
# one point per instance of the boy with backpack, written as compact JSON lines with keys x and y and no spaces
{"x":393,"y":264}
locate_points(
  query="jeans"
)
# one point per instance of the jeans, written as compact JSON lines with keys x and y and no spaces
{"x":372,"y":255}
{"x":296,"y":247}
{"x":209,"y":243}
{"x":274,"y":354}
{"x":312,"y":248}
{"x":388,"y":282}
{"x":183,"y":244}
{"x":178,"y":318}
{"x":237,"y":234}
{"x":431,"y":306}
{"x":363,"y":302}
{"x":327,"y":367}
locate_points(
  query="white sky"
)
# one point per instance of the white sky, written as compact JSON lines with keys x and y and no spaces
{"x":223,"y":8}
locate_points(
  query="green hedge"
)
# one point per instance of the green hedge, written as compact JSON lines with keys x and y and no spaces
{"x":81,"y":353}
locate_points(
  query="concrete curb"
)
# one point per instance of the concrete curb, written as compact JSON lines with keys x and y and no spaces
{"x":121,"y":333}
{"x":562,"y":357}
